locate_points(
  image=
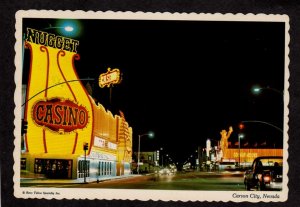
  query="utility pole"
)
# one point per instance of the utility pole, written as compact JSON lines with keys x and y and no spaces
{"x":85,"y":148}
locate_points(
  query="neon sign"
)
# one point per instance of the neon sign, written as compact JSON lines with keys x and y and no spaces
{"x":51,"y":40}
{"x":60,"y":116}
{"x":110,"y":77}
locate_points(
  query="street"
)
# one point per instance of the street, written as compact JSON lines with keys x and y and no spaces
{"x":230,"y":181}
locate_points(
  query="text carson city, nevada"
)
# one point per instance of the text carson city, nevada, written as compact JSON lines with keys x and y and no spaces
{"x":256,"y":196}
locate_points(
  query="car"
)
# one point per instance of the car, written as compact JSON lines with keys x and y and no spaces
{"x":227,"y":165}
{"x":265,"y":173}
{"x":165,"y":171}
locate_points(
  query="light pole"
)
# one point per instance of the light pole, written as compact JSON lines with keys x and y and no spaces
{"x":263,"y":122}
{"x":85,"y":148}
{"x":69,"y":28}
{"x":240,"y":136}
{"x":66,"y":28}
{"x":141,"y":135}
{"x":258,"y":89}
{"x":167,"y":161}
{"x":162,"y":157}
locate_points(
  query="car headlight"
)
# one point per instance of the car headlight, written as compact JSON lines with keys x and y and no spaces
{"x":267,"y":178}
{"x":259,"y":176}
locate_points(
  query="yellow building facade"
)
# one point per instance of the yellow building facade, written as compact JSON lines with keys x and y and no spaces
{"x":63,"y":118}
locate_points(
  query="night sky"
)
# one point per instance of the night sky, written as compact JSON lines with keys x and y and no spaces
{"x":185,"y":80}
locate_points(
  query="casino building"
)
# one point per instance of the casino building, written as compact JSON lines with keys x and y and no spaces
{"x":226,"y":152}
{"x":69,"y":136}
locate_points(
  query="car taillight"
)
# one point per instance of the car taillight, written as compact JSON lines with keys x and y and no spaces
{"x":267,"y":178}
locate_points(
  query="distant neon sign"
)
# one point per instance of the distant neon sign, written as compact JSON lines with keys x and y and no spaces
{"x":109,"y":78}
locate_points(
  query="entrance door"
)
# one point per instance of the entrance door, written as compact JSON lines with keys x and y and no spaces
{"x":54,"y":168}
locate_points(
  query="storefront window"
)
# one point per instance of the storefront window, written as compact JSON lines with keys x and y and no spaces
{"x":103,"y":168}
{"x":99,"y":169}
{"x":23,"y":163}
{"x":53,"y":168}
{"x":82,"y":169}
{"x":110,"y":168}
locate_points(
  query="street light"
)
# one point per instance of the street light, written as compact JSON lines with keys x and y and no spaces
{"x":240,"y":137}
{"x":258,"y":89}
{"x":66,"y":28}
{"x":69,"y":28}
{"x":141,"y":135}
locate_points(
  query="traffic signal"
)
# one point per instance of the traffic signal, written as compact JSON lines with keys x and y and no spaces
{"x":85,"y":146}
{"x":241,"y":126}
{"x":24,"y":126}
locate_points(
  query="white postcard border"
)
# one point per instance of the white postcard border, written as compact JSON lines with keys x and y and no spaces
{"x":143,"y":194}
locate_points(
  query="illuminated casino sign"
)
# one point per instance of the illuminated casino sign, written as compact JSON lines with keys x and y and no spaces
{"x":109,"y":78}
{"x":51,"y":40}
{"x":60,"y":116}
{"x":58,"y":109}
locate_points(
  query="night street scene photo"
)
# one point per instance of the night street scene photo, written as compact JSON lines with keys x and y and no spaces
{"x":157,"y":104}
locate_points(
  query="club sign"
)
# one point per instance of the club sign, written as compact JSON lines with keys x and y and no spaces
{"x":110,"y":77}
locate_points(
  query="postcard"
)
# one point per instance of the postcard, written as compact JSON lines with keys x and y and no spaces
{"x":151,"y":106}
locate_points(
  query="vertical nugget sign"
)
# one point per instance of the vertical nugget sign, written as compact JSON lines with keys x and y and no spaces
{"x":60,"y":113}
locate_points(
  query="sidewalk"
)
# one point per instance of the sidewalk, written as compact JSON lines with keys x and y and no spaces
{"x":43,"y":180}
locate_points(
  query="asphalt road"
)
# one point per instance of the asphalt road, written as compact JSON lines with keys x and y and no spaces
{"x":230,"y":181}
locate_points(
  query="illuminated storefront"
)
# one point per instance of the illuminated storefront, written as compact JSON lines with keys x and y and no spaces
{"x":248,"y":155}
{"x":225,"y":152}
{"x":245,"y":154}
{"x":149,"y":162}
{"x":62,"y":118}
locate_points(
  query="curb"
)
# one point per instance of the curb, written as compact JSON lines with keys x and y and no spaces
{"x":45,"y":181}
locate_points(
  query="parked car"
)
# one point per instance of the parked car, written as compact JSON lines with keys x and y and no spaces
{"x":265,"y":173}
